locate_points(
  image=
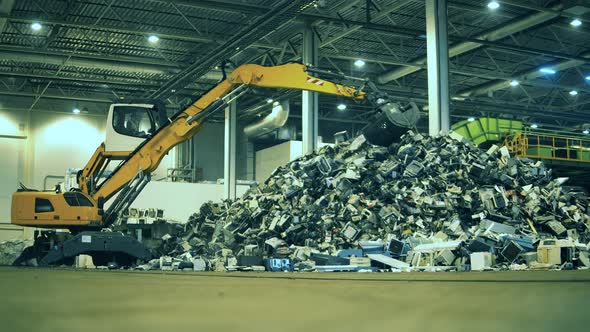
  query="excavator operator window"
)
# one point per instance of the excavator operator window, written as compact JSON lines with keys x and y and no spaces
{"x":133,"y":121}
{"x":43,"y":205}
{"x":77,"y":199}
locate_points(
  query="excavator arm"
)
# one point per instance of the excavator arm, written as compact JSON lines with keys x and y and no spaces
{"x":84,"y":208}
{"x":186,"y":124}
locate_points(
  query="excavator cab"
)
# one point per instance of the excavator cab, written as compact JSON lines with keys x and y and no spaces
{"x":129,"y":124}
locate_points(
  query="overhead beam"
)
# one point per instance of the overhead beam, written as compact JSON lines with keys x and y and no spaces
{"x":43,"y":110}
{"x":5,"y":9}
{"x":220,"y":5}
{"x":462,"y":72}
{"x":118,"y":64}
{"x":353,"y":26}
{"x":418,"y":34}
{"x":565,"y":13}
{"x":501,"y":31}
{"x":280,"y":13}
{"x":526,"y":75}
{"x":356,"y":25}
{"x":383,"y":13}
{"x":95,"y":80}
{"x":492,"y":106}
{"x":60,"y":97}
{"x":189,"y":37}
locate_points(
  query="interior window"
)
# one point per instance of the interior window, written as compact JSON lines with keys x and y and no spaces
{"x":43,"y":205}
{"x":133,"y":121}
{"x":76,"y":199}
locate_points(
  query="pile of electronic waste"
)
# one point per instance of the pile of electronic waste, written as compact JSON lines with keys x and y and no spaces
{"x":425,"y":203}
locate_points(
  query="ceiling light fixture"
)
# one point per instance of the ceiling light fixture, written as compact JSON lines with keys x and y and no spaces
{"x":153,"y":39}
{"x":76,"y":111}
{"x":534,"y":126}
{"x":359,"y":63}
{"x":547,"y":70}
{"x":576,"y":22}
{"x":341,"y":107}
{"x":586,"y":131}
{"x":269,"y":100}
{"x":493,"y":5}
{"x":573,"y":93}
{"x":514,"y":83}
{"x":36,"y":26}
{"x":471,"y":119}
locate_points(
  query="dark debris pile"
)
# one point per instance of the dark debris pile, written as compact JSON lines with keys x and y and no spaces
{"x":437,"y":196}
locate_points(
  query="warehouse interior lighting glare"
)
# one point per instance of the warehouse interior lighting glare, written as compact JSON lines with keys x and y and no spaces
{"x":514,"y":83}
{"x":471,"y":119}
{"x":36,"y":26}
{"x":269,"y":100}
{"x":588,"y":78}
{"x":359,"y":63}
{"x":493,"y":5}
{"x":76,"y":111}
{"x":573,"y":93}
{"x":341,"y":107}
{"x":547,"y":70}
{"x":586,"y":131}
{"x":153,"y":39}
{"x":534,"y":126}
{"x":576,"y":22}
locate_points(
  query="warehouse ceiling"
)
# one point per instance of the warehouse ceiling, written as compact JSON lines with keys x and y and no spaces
{"x":61,"y":55}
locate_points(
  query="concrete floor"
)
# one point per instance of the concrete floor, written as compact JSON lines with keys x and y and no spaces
{"x":78,"y":300}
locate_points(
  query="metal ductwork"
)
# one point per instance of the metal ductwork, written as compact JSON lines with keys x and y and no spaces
{"x":504,"y":31}
{"x":276,"y":119}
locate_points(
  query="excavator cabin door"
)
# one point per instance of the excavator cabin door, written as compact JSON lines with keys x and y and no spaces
{"x":128,"y":125}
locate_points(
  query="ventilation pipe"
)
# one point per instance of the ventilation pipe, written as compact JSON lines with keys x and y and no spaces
{"x":276,"y":119}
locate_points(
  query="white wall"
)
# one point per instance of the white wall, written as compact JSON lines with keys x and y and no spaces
{"x":54,"y":142}
{"x":11,"y":167}
{"x":178,"y":199}
{"x":40,"y":145}
{"x":269,"y":159}
{"x":208,"y":145}
{"x":62,"y":141}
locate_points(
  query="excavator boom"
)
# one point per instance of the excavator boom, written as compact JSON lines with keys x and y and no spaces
{"x":49,"y":209}
{"x":186,"y":124}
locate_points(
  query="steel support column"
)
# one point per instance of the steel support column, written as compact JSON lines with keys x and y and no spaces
{"x":309,"y":103}
{"x":229,"y":151}
{"x":438,"y":66}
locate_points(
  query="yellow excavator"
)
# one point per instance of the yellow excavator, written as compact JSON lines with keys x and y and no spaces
{"x":139,"y":135}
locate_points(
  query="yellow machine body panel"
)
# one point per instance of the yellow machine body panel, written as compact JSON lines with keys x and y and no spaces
{"x":54,"y":210}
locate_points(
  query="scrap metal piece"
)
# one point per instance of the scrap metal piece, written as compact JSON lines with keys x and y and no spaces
{"x":392,"y":262}
{"x":278,"y":264}
{"x":480,"y":261}
{"x":350,"y":232}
